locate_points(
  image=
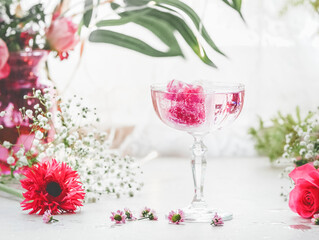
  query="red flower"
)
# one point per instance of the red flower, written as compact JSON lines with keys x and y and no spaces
{"x":304,"y":198}
{"x":53,"y":186}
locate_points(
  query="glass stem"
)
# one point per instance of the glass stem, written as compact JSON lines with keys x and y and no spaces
{"x":198,"y":164}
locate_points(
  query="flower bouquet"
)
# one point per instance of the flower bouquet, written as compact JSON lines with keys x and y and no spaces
{"x":57,"y":151}
{"x":297,"y":143}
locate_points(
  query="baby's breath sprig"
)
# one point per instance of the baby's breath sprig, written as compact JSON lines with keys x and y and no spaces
{"x":69,"y":133}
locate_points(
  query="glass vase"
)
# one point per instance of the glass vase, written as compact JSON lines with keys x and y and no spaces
{"x":26,"y":74}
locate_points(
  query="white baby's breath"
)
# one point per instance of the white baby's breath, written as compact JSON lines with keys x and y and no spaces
{"x":80,"y":144}
{"x":10,"y":160}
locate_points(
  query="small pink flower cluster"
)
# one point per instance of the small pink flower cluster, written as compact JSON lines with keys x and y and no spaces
{"x":217,"y":220}
{"x":118,"y":217}
{"x":121,"y":217}
{"x":315,"y":219}
{"x":148,"y":213}
{"x":48,"y":218}
{"x":176,"y":217}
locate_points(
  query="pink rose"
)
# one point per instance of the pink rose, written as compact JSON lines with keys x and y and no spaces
{"x":4,"y":55}
{"x":304,"y":198}
{"x":62,"y":34}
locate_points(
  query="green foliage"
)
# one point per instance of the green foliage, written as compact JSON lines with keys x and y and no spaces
{"x":11,"y":32}
{"x":163,"y":18}
{"x":296,"y":3}
{"x":270,"y":141}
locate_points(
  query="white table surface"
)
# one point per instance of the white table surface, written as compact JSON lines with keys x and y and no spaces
{"x":248,"y":187}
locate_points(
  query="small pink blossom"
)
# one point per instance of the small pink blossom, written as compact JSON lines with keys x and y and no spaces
{"x":217,"y":220}
{"x":176,"y":217}
{"x":129,"y":214}
{"x":118,"y":217}
{"x":62,"y":35}
{"x":4,"y":55}
{"x":145,"y":212}
{"x":315,"y":219}
{"x":152,"y":215}
{"x":48,"y":218}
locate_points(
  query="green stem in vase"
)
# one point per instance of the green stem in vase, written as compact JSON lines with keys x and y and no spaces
{"x":10,"y":190}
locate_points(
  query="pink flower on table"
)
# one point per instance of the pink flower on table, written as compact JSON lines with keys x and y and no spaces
{"x":176,"y":217}
{"x":304,"y":198}
{"x":4,"y":55}
{"x":152,"y":215}
{"x":62,"y":36}
{"x":217,"y":220}
{"x":145,"y":212}
{"x":315,"y":219}
{"x":118,"y":217}
{"x":129,"y":214}
{"x":47,"y":217}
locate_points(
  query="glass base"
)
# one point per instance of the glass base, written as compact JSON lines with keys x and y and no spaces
{"x":204,"y":214}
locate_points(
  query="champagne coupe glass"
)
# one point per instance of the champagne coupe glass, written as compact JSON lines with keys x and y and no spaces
{"x":198,"y":109}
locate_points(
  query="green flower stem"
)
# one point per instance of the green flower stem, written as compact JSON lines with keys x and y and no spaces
{"x":10,"y":190}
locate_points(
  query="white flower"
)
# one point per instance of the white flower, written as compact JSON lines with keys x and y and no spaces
{"x":38,"y":135}
{"x":23,"y":160}
{"x":302,"y":151}
{"x":49,"y":151}
{"x":302,"y":143}
{"x":47,"y":127}
{"x":37,"y":93}
{"x":6,"y":144}
{"x":68,"y":151}
{"x":1,"y":127}
{"x":71,"y":139}
{"x":36,"y":106}
{"x":46,"y":90}
{"x":49,"y":115}
{"x":48,"y":104}
{"x":35,"y":142}
{"x":47,"y":96}
{"x":41,"y":156}
{"x":310,"y":146}
{"x":20,"y":153}
{"x":2,"y":113}
{"x":308,"y":156}
{"x":44,"y":119}
{"x":29,"y":113}
{"x":33,"y":150}
{"x":306,"y":138}
{"x":10,"y":160}
{"x":286,"y":147}
{"x":316,"y":164}
{"x":78,"y":144}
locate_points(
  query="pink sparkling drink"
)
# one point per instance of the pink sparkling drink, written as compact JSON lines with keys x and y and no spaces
{"x":198,"y":109}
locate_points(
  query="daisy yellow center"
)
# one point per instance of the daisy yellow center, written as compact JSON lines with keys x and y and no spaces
{"x":118,"y":217}
{"x":54,"y":189}
{"x":176,"y":218}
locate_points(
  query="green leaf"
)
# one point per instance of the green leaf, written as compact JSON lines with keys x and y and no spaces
{"x":188,"y":35}
{"x":159,"y":28}
{"x":88,"y":6}
{"x":121,"y":21}
{"x":235,"y":4}
{"x":122,"y":40}
{"x":195,"y":19}
{"x":162,"y":30}
{"x":136,"y":2}
{"x":178,"y":24}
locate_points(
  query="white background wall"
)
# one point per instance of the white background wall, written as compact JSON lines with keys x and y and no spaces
{"x":276,"y":57}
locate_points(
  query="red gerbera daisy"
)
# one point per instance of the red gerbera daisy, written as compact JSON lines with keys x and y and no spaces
{"x":53,"y":186}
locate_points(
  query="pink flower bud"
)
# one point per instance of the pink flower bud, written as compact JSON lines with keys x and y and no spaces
{"x":62,"y":34}
{"x":4,"y":55}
